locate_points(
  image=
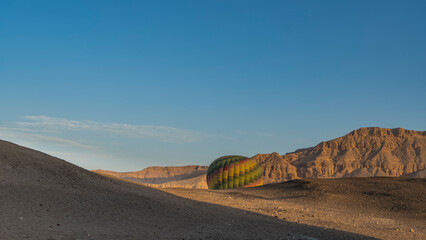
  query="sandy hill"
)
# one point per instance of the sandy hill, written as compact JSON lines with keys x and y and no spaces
{"x":185,"y":177}
{"x":365,"y":152}
{"x":43,"y":197}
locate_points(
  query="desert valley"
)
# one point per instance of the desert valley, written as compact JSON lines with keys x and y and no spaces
{"x":368,"y":184}
{"x":190,"y":120}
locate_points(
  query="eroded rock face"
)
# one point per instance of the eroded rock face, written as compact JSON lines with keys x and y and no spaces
{"x":365,"y":152}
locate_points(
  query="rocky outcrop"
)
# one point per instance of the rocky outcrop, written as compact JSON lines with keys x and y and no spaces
{"x":276,"y":168}
{"x":365,"y":152}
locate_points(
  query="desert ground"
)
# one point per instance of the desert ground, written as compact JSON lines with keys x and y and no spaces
{"x":110,"y":209}
{"x":383,"y":208}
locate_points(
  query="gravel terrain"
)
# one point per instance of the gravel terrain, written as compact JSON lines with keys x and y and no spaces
{"x":384,"y":208}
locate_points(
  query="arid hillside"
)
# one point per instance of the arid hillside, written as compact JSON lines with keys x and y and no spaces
{"x":365,"y":152}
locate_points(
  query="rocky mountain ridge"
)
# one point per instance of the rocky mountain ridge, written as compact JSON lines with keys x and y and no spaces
{"x":366,"y":152}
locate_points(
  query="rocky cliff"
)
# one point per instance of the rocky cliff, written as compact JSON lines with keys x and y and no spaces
{"x":365,"y":152}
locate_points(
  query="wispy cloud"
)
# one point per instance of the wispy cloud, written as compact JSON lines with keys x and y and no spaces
{"x":161,"y":133}
{"x":22,"y":133}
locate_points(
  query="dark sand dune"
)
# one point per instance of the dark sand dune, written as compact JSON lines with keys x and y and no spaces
{"x":42,"y":197}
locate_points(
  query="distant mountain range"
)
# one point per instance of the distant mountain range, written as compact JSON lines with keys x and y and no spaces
{"x":184,"y":177}
{"x":366,"y":152}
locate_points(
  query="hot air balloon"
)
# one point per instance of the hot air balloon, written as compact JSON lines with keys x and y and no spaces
{"x":234,"y":171}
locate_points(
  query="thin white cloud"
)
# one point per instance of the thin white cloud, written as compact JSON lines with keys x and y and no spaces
{"x":24,"y":134}
{"x":161,"y":133}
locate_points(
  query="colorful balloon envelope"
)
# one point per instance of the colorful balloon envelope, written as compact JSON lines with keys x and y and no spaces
{"x":233,"y":172}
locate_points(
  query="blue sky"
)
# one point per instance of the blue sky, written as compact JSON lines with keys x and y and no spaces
{"x":123,"y":85}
